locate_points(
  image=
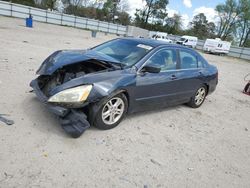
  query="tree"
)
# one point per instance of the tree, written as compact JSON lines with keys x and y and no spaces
{"x":201,"y":28}
{"x":211,"y":30}
{"x":123,"y":18}
{"x":110,"y":9}
{"x":139,"y":17}
{"x":72,"y":6}
{"x":49,"y":4}
{"x":174,"y":24}
{"x":228,"y":15}
{"x":154,"y":9}
{"x":243,"y":25}
{"x":123,"y":6}
{"x":23,"y":2}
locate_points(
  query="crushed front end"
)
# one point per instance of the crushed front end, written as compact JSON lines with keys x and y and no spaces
{"x":63,"y":88}
{"x":74,"y":121}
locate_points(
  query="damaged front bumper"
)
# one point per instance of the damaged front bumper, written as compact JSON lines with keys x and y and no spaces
{"x":73,"y":121}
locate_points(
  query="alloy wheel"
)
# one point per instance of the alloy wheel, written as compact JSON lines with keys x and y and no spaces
{"x":200,"y":96}
{"x":113,"y":111}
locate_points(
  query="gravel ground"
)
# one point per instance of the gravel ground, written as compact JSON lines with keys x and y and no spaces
{"x":172,"y":147}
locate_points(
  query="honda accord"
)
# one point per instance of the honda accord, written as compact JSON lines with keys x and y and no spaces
{"x":99,"y":86}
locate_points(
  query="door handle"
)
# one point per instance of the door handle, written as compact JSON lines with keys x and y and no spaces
{"x":173,"y":77}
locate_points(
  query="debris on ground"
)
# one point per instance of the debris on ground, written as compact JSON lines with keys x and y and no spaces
{"x":5,"y":60}
{"x":5,"y":120}
{"x":155,"y":162}
{"x":190,"y":169}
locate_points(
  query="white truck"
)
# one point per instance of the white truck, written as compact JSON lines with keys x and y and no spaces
{"x":160,"y":36}
{"x":216,"y":46}
{"x":189,"y":41}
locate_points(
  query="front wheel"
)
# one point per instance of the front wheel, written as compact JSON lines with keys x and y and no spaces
{"x":111,"y":112}
{"x":199,"y":97}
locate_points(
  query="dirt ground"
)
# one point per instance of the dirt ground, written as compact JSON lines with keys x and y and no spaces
{"x":173,"y":147}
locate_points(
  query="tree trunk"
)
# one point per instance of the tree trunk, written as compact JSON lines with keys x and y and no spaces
{"x":243,"y":33}
{"x":220,"y":28}
{"x":148,"y":13}
{"x":246,"y":38}
{"x":229,"y":27}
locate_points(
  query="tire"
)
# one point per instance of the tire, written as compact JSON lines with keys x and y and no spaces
{"x":111,"y":112}
{"x":198,"y":98}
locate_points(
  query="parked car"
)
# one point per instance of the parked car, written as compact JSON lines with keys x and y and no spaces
{"x":152,"y":34}
{"x":188,"y":41}
{"x":162,"y":37}
{"x":216,"y":46}
{"x":99,"y":86}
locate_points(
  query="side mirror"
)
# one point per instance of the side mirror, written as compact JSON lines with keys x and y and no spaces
{"x":151,"y":69}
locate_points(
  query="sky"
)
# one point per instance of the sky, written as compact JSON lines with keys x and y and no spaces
{"x":186,"y":8}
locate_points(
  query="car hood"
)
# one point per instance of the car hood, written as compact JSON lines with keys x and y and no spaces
{"x":62,"y":58}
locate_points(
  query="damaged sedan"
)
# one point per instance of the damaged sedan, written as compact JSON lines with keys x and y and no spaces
{"x":99,"y":86}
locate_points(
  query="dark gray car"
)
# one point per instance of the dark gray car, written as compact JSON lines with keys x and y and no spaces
{"x":99,"y":86}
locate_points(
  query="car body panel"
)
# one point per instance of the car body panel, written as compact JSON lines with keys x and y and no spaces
{"x":66,"y":57}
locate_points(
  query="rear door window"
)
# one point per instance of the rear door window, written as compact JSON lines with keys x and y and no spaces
{"x":188,"y":60}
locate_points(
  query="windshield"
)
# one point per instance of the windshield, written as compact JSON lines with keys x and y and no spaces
{"x":182,"y":39}
{"x":128,"y":52}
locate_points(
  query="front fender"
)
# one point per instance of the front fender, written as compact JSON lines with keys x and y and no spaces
{"x":94,"y":107}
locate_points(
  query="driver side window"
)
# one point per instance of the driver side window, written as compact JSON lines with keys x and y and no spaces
{"x":165,"y":59}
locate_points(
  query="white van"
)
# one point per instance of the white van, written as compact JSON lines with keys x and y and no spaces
{"x":189,"y":41}
{"x":161,"y":36}
{"x":216,"y":46}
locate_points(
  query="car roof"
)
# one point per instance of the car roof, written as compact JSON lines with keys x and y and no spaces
{"x":152,"y":42}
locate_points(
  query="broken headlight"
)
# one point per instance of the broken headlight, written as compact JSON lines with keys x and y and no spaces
{"x":73,"y":95}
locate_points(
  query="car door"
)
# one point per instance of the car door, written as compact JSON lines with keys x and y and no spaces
{"x":190,"y":74}
{"x":153,"y":89}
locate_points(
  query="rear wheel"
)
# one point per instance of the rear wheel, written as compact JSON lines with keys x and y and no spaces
{"x":199,"y":97}
{"x":111,"y":112}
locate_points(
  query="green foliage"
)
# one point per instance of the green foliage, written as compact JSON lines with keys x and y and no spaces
{"x":104,"y":14}
{"x":234,"y":21}
{"x":174,"y":24}
{"x":201,"y":28}
{"x":49,"y":4}
{"x":23,"y":2}
{"x":109,"y":9}
{"x":243,"y":23}
{"x":247,"y":43}
{"x":154,"y":9}
{"x":228,"y":14}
